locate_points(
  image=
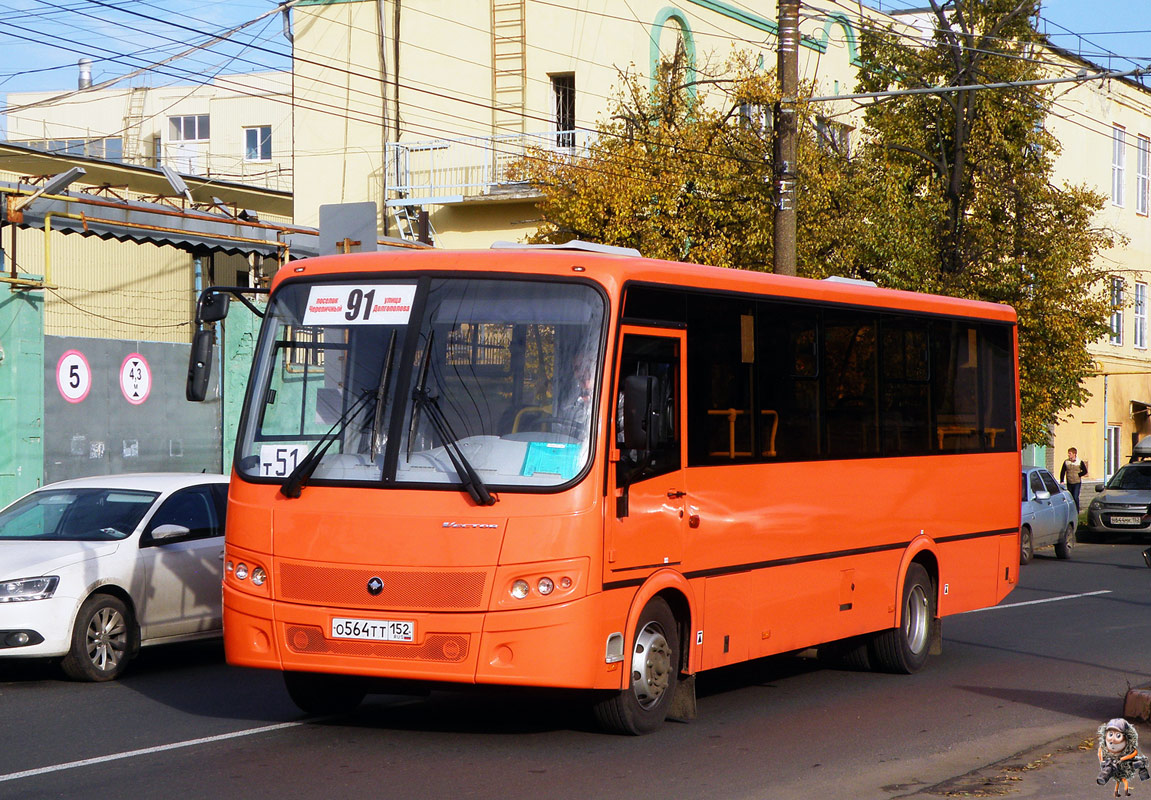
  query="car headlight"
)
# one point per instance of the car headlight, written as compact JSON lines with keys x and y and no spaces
{"x":20,"y":589}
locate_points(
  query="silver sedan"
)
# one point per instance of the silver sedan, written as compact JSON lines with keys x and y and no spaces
{"x":1049,"y":516}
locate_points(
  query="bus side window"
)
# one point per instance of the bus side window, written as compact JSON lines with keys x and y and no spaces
{"x":649,"y":379}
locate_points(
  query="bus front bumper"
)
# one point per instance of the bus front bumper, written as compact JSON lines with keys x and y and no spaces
{"x":561,"y":646}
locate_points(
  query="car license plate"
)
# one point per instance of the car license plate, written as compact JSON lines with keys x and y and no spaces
{"x":1117,"y":520}
{"x":376,"y":630}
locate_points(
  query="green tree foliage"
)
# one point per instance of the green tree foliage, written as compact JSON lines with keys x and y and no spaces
{"x":947,"y":192}
{"x":960,"y":200}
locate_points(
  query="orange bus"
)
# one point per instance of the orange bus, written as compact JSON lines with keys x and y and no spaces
{"x":578,"y":468}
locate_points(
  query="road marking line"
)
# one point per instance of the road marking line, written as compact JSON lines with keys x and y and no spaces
{"x":148,"y":751}
{"x":1036,"y":602}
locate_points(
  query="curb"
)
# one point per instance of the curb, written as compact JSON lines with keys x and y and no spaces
{"x":1137,"y":705}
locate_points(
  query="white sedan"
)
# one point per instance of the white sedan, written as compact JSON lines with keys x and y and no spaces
{"x":92,"y":569}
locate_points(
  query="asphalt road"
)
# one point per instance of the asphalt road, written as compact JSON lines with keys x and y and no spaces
{"x":1054,"y":660}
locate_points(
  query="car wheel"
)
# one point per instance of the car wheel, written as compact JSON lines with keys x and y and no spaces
{"x":1066,"y":542}
{"x":103,"y":640}
{"x":654,"y":664}
{"x":1026,"y":549}
{"x":904,"y":649}
{"x":315,"y":693}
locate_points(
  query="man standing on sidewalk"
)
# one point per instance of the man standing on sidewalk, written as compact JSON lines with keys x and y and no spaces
{"x":1072,"y":472}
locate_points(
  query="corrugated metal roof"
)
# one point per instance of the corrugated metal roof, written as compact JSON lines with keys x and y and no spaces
{"x":137,"y":221}
{"x":145,"y":180}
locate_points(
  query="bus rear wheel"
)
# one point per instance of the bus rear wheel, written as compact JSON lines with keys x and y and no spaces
{"x":315,"y":693}
{"x":904,"y":649}
{"x":654,"y":665}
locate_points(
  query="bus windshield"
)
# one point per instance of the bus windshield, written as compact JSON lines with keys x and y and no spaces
{"x":394,"y":381}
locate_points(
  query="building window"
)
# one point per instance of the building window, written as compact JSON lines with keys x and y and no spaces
{"x":1140,"y":315}
{"x":1143,"y":176}
{"x":563,"y":90}
{"x":189,"y":129}
{"x":1116,"y":311}
{"x":109,"y":149}
{"x":757,"y":117}
{"x":833,"y":137}
{"x":1118,"y":163}
{"x":1111,"y":457}
{"x":258,"y":143}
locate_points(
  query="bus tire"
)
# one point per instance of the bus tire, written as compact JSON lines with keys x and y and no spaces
{"x":642,"y":707}
{"x":316,"y":693}
{"x":904,"y":649}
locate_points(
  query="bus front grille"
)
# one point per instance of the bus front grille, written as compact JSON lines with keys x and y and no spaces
{"x":414,"y":590}
{"x":448,"y":647}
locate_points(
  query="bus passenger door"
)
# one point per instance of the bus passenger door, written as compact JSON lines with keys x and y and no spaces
{"x":652,"y":510}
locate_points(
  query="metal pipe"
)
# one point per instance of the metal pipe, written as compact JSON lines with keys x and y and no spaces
{"x":1106,"y":434}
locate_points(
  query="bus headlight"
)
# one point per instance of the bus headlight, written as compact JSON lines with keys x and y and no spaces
{"x":539,"y":584}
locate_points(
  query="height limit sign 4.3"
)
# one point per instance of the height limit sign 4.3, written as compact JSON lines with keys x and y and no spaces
{"x":135,"y":379}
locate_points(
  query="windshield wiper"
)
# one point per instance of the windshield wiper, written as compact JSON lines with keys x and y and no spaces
{"x":378,"y":436}
{"x":296,"y":479}
{"x":423,"y":400}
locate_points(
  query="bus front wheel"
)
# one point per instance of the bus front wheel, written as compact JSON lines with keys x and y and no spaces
{"x":904,"y":649}
{"x":654,"y":665}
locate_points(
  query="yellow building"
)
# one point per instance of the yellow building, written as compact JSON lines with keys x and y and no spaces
{"x":422,"y":107}
{"x":1105,"y":130}
{"x":234,"y":128}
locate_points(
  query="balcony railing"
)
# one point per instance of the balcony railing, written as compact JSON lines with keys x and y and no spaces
{"x":441,"y":171}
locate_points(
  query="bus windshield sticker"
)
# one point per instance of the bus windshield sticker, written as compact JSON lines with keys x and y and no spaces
{"x":370,"y":304}
{"x":553,"y":458}
{"x":278,"y":460}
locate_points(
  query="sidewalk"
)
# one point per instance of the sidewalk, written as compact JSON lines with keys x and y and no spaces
{"x":1061,"y":770}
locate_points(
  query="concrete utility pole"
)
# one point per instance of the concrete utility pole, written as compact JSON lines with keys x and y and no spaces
{"x":784,"y":145}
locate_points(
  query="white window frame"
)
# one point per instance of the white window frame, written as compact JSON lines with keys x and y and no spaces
{"x":1111,"y":454}
{"x":1143,"y":175}
{"x":1117,"y":311}
{"x":177,"y":130}
{"x":1139,"y":338}
{"x":1118,"y":163}
{"x":261,"y":140}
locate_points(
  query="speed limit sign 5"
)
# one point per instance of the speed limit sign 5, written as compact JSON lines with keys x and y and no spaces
{"x":73,"y":376}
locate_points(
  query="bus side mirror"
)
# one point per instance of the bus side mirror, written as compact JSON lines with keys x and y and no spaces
{"x":213,"y":307}
{"x":200,"y":364}
{"x":638,"y":412}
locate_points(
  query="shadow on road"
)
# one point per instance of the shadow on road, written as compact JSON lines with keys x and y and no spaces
{"x":1087,"y":706}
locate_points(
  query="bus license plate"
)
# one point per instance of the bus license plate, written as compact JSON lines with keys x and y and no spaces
{"x":375,"y":630}
{"x":1125,"y":520}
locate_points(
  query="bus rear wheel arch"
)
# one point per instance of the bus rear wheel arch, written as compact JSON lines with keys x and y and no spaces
{"x":904,"y":648}
{"x":654,"y":664}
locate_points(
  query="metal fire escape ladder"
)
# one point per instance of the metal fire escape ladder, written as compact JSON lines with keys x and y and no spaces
{"x":133,"y":123}
{"x":509,"y":67}
{"x":407,"y":219}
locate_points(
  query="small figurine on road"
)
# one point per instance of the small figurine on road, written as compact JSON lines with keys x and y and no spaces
{"x":1119,"y":757}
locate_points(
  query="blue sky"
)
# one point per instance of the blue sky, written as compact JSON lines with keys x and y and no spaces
{"x":1096,"y":29}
